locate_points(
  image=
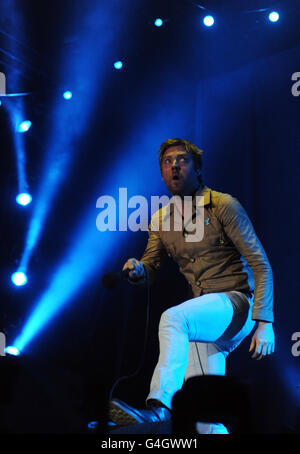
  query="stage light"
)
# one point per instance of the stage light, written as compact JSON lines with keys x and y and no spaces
{"x":208,"y":21}
{"x":24,"y":198}
{"x":19,"y":278}
{"x":158,"y":22}
{"x":87,"y":72}
{"x":87,"y":241}
{"x":24,"y":126}
{"x":274,"y":16}
{"x":118,"y":64}
{"x":15,"y":109}
{"x":11,"y":350}
{"x":67,"y":95}
{"x":93,"y":425}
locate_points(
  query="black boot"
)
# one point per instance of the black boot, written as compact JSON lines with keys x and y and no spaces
{"x":123,"y":414}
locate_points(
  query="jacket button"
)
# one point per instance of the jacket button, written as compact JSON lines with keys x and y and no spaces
{"x":198,"y":283}
{"x":192,"y":260}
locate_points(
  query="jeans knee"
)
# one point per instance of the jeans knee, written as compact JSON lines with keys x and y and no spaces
{"x":172,"y":317}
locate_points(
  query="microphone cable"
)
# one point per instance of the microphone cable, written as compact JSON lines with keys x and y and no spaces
{"x":199,"y":359}
{"x":139,"y":368}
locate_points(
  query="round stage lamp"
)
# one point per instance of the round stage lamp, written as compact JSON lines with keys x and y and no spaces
{"x":24,"y":198}
{"x":273,"y":16}
{"x":24,"y":126}
{"x":208,"y":21}
{"x":118,"y":64}
{"x":158,"y":22}
{"x":11,"y":350}
{"x":67,"y":95}
{"x":19,"y":278}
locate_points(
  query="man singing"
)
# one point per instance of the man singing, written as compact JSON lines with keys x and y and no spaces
{"x":230,"y":281}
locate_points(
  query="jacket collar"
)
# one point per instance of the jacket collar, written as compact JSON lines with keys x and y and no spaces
{"x":204,"y":198}
{"x":206,"y":193}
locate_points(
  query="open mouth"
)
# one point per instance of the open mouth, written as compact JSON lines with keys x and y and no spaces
{"x":175,"y":177}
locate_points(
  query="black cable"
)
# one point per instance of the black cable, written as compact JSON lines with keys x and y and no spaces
{"x":134,"y":374}
{"x":203,"y":373}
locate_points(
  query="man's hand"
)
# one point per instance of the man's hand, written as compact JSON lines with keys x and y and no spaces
{"x":137,"y":269}
{"x":263,"y":340}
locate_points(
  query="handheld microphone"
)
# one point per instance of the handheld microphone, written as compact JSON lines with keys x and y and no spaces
{"x":111,"y":280}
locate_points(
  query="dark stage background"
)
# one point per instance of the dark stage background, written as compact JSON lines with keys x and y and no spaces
{"x":227,"y":89}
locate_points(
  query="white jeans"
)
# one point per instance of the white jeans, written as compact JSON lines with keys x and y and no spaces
{"x":195,"y":338}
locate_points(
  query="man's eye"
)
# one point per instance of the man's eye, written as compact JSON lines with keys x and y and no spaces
{"x":183,"y":159}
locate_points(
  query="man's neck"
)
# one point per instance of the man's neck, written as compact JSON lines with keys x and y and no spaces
{"x":192,"y":194}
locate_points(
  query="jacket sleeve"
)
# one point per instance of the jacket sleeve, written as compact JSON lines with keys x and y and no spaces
{"x":239,"y":229}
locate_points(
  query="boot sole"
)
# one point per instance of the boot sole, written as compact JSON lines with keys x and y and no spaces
{"x":119,"y":416}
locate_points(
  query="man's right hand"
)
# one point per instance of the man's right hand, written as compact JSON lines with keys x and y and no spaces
{"x":137,"y":271}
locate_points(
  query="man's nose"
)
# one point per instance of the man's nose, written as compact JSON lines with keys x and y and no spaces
{"x":175,"y":163}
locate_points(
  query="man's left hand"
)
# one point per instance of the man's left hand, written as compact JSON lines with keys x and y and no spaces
{"x":263,"y":340}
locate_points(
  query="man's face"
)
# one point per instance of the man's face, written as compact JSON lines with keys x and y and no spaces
{"x":178,"y":172}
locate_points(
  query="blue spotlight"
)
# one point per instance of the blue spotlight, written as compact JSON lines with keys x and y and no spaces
{"x":158,"y":22}
{"x":87,"y":72}
{"x":273,"y":16}
{"x":118,"y":64}
{"x":93,"y":424}
{"x":11,"y":350}
{"x":208,"y":21}
{"x":86,"y":242}
{"x":67,"y":95}
{"x":24,"y":126}
{"x":15,"y":109}
{"x":24,"y":198}
{"x":19,"y":278}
